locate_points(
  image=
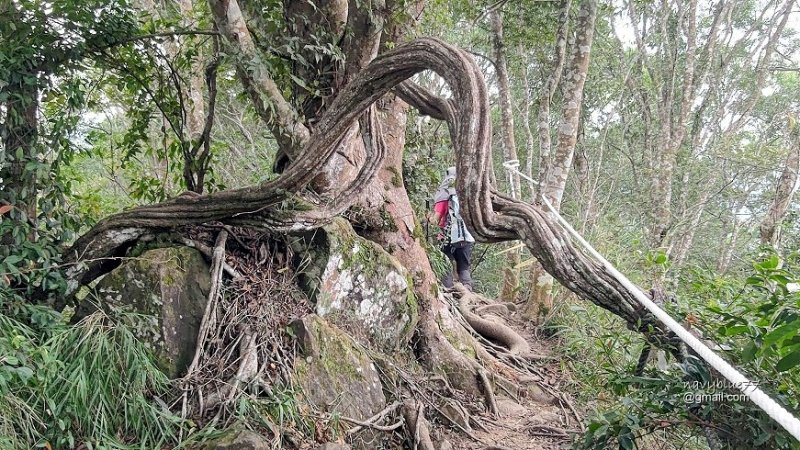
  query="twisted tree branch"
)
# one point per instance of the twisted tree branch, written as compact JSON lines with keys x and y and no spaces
{"x":284,"y":205}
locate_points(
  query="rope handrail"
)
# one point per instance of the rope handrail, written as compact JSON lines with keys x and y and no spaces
{"x":777,"y":412}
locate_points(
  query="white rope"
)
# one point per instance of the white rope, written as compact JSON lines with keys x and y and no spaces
{"x":749,"y":388}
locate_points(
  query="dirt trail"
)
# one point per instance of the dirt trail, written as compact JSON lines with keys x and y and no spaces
{"x":543,"y":418}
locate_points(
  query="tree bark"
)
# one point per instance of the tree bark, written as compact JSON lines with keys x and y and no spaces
{"x":784,"y":191}
{"x":546,"y":97}
{"x":279,"y":115}
{"x":510,"y":285}
{"x":672,"y":128}
{"x":540,"y":300}
{"x":530,"y":139}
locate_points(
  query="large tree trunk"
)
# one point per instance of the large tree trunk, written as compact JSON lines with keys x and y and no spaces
{"x":540,"y":301}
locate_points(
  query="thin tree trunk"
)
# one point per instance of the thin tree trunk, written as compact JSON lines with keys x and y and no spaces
{"x":191,"y":87}
{"x":730,"y":245}
{"x":784,"y":191}
{"x":673,"y":128}
{"x":546,"y":97}
{"x":510,"y":271}
{"x":540,"y":283}
{"x":685,"y":244}
{"x":268,"y":101}
{"x":540,"y":301}
{"x":529,"y":138}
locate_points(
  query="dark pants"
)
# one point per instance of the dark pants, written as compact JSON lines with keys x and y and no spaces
{"x":460,"y":252}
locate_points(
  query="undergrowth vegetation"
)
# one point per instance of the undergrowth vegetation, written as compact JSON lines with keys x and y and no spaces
{"x":92,"y":383}
{"x":752,"y":321}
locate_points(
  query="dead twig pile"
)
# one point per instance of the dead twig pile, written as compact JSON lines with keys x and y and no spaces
{"x":244,"y":347}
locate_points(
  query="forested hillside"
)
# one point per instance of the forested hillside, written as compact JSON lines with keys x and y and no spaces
{"x":218,"y":231}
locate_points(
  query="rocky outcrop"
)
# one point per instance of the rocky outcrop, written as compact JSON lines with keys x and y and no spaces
{"x":168,"y":289}
{"x":333,"y":373}
{"x":358,"y":286}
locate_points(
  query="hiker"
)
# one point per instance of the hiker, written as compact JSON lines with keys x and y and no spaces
{"x":455,"y":240}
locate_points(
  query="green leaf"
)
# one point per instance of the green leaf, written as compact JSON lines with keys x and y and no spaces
{"x":789,"y":361}
{"x":754,"y":281}
{"x":625,"y":442}
{"x":780,"y":279}
{"x":660,"y":258}
{"x":299,"y":81}
{"x":781,"y":333}
{"x":749,"y":352}
{"x":735,"y":330}
{"x":24,"y":373}
{"x":771,"y":263}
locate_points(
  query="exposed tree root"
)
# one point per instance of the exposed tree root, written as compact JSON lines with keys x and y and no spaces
{"x":414,"y":414}
{"x":209,"y":316}
{"x":491,"y":400}
{"x":372,"y":421}
{"x":496,"y":331}
{"x":209,"y":253}
{"x":494,"y":308}
{"x":565,"y":400}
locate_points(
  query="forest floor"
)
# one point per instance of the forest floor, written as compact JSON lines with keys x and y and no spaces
{"x":545,"y":418}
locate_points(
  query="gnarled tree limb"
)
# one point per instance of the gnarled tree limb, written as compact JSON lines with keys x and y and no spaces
{"x":490,"y":215}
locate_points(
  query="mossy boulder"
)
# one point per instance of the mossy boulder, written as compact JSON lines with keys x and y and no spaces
{"x":358,"y":286}
{"x":169,"y":288}
{"x":334,"y":374}
{"x":239,"y":439}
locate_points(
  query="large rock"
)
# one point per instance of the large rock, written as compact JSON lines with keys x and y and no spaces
{"x":358,"y":286}
{"x":237,"y":439}
{"x":169,"y":288}
{"x":335,"y":375}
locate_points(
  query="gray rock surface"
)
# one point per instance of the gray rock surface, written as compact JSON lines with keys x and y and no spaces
{"x":168,"y":287}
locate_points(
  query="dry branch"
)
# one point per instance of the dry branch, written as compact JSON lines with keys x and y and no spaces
{"x":372,"y":421}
